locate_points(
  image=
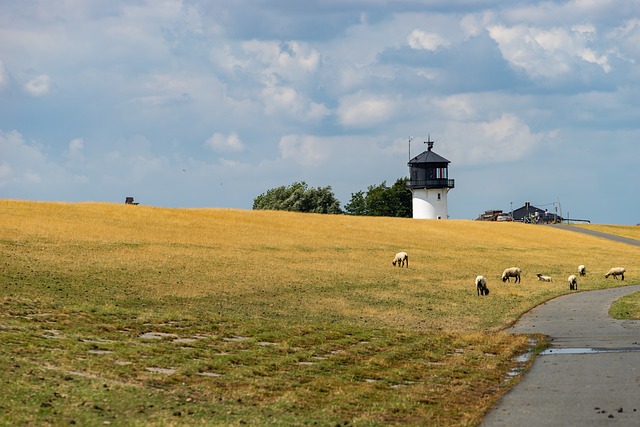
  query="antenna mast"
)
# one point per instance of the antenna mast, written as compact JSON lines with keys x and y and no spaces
{"x":429,"y":142}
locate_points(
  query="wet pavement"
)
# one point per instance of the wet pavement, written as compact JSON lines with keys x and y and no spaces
{"x":590,"y":375}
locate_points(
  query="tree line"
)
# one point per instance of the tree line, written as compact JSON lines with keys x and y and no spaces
{"x":377,"y":200}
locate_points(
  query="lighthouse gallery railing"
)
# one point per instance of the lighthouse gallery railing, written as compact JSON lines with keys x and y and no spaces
{"x":430,"y":183}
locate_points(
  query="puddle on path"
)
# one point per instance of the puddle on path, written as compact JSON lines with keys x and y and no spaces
{"x":588,"y":350}
{"x":521,"y":361}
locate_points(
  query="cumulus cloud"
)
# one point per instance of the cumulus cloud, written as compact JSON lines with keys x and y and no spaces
{"x":502,"y":140}
{"x":419,"y":39}
{"x":546,"y":53}
{"x":591,"y":56}
{"x":457,"y":107}
{"x":290,"y":60}
{"x":38,"y":86}
{"x":292,"y":103}
{"x":364,"y":110}
{"x":304,"y":149}
{"x":225,"y":143}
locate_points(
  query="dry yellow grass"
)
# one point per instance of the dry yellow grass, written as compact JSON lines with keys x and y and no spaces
{"x":320,"y":287}
{"x":295,"y":259}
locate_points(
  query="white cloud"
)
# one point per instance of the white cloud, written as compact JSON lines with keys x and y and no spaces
{"x":292,"y":60}
{"x":304,"y":149}
{"x":285,"y":100}
{"x":24,"y":164}
{"x":419,"y":39}
{"x":591,"y":56}
{"x":587,"y":31}
{"x":457,"y":107}
{"x":76,"y":146}
{"x":547,"y":53}
{"x":75,"y":152}
{"x":4,"y":78}
{"x":363,"y":110}
{"x":502,"y":140}
{"x":225,"y":143}
{"x":39,"y":85}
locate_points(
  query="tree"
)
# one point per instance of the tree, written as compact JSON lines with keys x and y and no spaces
{"x":298,"y":197}
{"x":381,"y":200}
{"x":357,"y":205}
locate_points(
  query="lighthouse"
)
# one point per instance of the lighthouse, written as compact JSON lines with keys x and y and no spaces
{"x":429,"y":184}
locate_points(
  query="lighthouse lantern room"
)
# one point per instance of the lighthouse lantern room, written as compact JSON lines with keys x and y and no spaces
{"x":429,"y":184}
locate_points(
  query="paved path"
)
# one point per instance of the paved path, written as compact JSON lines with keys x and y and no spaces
{"x":597,"y":234}
{"x":590,"y":376}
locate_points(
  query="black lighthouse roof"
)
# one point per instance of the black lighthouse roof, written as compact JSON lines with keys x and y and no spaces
{"x":428,"y":156}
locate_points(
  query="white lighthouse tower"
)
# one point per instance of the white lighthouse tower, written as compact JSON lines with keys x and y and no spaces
{"x":429,"y":184}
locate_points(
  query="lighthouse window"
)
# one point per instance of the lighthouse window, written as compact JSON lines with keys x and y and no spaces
{"x":438,"y":196}
{"x":441,"y":173}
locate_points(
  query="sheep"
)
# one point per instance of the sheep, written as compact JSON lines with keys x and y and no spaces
{"x":511,"y":272}
{"x":582,"y":270}
{"x":615,"y":272}
{"x":400,"y":259}
{"x":573,"y":282}
{"x":481,"y":285}
{"x":544,"y":278}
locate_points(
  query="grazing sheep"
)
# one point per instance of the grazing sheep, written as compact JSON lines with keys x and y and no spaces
{"x":615,"y":272}
{"x":511,"y":272}
{"x":400,"y":259}
{"x":573,"y":282}
{"x":544,"y":278}
{"x":481,"y":285}
{"x":582,"y":270}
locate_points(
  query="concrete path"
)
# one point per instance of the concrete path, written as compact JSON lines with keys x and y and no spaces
{"x":590,"y":376}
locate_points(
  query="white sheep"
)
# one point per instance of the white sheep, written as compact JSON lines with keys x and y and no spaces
{"x":573,"y":282}
{"x":544,"y":278}
{"x":615,"y":272}
{"x":582,"y":270}
{"x":481,"y":285}
{"x":511,"y":272}
{"x":400,"y":259}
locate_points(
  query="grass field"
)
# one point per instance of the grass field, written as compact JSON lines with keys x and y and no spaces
{"x":133,"y":315}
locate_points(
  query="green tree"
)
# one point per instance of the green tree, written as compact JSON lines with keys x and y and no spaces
{"x":298,"y":197}
{"x":401,"y":199}
{"x":381,"y":200}
{"x":357,"y":205}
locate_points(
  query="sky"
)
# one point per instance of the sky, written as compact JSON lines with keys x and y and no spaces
{"x":194,"y":103}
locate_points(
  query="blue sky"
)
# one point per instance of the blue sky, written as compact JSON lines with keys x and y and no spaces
{"x":193,"y":103}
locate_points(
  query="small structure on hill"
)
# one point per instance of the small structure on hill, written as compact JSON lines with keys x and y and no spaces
{"x":429,"y":184}
{"x":489,"y":215}
{"x":530,"y":213}
{"x":527,"y":213}
{"x":129,"y":201}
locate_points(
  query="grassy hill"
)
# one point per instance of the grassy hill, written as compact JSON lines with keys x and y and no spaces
{"x":135,"y":315}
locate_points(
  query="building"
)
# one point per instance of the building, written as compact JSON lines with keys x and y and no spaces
{"x":429,"y":184}
{"x":527,"y":213}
